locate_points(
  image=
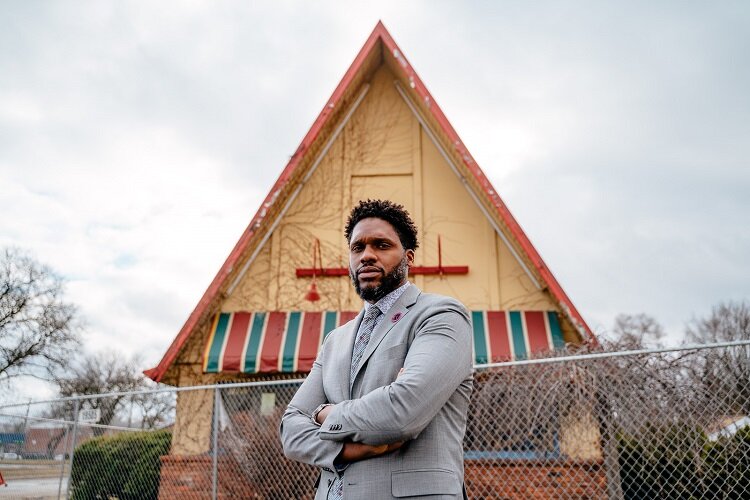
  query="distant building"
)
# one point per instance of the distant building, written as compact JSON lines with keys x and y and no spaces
{"x":11,"y":442}
{"x":49,"y":440}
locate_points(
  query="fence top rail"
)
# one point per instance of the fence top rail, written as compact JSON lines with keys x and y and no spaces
{"x":264,"y":383}
{"x":71,"y":422}
{"x":484,"y":366}
{"x":614,"y":354}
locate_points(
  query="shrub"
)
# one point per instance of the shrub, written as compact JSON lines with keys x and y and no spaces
{"x":125,"y":466}
{"x":727,"y":464}
{"x":663,"y":463}
{"x":678,"y":462}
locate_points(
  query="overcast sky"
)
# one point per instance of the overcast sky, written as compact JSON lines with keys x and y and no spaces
{"x":137,"y":139}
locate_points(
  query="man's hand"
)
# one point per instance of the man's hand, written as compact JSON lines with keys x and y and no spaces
{"x":353,"y":452}
{"x":322,"y":414}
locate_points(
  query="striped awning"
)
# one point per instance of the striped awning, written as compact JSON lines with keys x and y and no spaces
{"x":288,"y":342}
{"x":509,"y":335}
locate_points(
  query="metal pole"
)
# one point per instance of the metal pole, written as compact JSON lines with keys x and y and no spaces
{"x":72,"y":446}
{"x":26,"y":420}
{"x":62,"y":462}
{"x":130,"y":413}
{"x":215,"y":464}
{"x":607,"y":426}
{"x":613,"y":354}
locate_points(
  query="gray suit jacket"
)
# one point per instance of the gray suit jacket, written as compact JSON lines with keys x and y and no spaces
{"x":430,"y":337}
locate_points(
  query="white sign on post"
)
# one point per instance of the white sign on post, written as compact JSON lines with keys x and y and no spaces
{"x":267,"y":403}
{"x":89,"y":416}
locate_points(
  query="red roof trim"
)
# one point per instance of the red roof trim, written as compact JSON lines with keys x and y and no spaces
{"x":421,"y":90}
{"x":169,"y":357}
{"x":378,"y":34}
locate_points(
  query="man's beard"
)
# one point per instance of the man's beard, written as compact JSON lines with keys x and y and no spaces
{"x":390,"y":282}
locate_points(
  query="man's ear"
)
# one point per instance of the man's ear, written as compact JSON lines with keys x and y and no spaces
{"x":410,"y":257}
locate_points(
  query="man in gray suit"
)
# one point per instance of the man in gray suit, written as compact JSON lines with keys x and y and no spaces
{"x":383,"y":410}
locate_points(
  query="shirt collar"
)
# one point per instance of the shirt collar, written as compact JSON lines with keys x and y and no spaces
{"x":387,"y":302}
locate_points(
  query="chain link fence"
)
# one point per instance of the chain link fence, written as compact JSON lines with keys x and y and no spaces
{"x":85,"y":446}
{"x":646,"y":424}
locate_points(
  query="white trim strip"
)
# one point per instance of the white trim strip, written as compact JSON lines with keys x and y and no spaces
{"x":314,"y":166}
{"x":465,"y":183}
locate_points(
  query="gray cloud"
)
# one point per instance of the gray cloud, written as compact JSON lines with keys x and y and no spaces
{"x":137,"y":140}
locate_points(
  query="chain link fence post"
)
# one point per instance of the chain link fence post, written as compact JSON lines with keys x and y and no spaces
{"x":76,"y":408}
{"x":215,"y":446}
{"x":608,"y":431}
{"x":62,"y":462}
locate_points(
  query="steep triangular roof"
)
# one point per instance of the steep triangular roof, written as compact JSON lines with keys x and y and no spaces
{"x":378,"y":49}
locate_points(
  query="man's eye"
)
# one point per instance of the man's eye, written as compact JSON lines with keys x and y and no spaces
{"x":356,"y":248}
{"x":383,"y":245}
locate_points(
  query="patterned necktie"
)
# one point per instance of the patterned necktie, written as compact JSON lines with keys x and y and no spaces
{"x":363,"y":338}
{"x":360,"y":344}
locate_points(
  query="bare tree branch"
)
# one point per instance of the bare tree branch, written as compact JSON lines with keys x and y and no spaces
{"x":109,"y":372}
{"x":38,"y":328}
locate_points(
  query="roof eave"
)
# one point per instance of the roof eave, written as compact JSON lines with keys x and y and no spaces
{"x":458,"y":150}
{"x":331,"y":107}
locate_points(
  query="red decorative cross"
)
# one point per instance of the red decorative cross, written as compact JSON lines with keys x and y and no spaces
{"x":303,"y":272}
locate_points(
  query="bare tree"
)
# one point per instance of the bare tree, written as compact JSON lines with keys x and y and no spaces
{"x":634,"y":331}
{"x":109,"y":372}
{"x":156,"y":409}
{"x":38,"y":328}
{"x":725,"y":373}
{"x":728,"y":321}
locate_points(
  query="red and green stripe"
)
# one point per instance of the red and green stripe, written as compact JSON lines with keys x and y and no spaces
{"x":288,"y":342}
{"x":510,"y":335}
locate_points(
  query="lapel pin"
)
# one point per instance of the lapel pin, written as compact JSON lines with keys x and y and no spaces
{"x":396,"y":317}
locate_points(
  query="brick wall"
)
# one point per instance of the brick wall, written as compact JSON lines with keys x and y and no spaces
{"x":528,"y":479}
{"x":189,"y":477}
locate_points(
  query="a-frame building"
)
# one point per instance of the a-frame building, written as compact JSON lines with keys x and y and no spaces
{"x":380,"y":135}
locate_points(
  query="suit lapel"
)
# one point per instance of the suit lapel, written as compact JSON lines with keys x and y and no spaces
{"x":343,"y":355}
{"x":392,"y":317}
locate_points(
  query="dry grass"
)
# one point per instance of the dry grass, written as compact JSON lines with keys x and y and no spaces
{"x":30,"y":469}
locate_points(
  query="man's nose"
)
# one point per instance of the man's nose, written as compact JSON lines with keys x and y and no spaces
{"x":368,"y":255}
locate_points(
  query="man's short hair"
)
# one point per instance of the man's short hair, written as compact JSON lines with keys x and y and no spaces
{"x":393,"y":213}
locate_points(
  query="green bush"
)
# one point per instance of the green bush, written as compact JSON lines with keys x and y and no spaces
{"x":682,"y":463}
{"x":727,"y":462}
{"x":125,"y":466}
